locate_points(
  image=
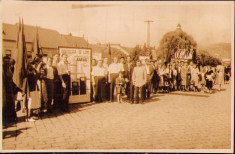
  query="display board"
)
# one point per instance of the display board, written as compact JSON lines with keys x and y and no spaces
{"x":79,"y":61}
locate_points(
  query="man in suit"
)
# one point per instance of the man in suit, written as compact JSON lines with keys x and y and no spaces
{"x":129,"y":85}
{"x":139,"y":79}
{"x":149,"y":71}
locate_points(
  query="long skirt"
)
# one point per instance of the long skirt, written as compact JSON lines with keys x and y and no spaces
{"x":220,"y":78}
{"x":209,"y":84}
{"x":161,"y":81}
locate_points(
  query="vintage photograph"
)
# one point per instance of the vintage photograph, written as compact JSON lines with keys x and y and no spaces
{"x":125,"y":76}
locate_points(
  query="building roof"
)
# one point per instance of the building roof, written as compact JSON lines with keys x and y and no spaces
{"x":47,"y":38}
{"x":73,"y":41}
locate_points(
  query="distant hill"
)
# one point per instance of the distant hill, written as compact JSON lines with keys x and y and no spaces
{"x":222,"y":50}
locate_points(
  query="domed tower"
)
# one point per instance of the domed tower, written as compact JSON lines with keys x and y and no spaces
{"x":178,"y":27}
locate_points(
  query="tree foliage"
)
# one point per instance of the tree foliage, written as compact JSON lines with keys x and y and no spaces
{"x":205,"y":59}
{"x":174,"y":40}
{"x":141,"y":51}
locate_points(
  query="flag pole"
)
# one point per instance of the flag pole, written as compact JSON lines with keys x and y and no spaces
{"x":25,"y":60}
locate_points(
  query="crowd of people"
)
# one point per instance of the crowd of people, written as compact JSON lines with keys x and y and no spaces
{"x":49,"y":82}
{"x":139,"y":79}
{"x":48,"y":88}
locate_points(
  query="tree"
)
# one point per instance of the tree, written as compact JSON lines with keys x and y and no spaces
{"x":174,"y":40}
{"x":205,"y":59}
{"x":135,"y":52}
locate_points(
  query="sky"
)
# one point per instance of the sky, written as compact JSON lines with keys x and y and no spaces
{"x":123,"y":22}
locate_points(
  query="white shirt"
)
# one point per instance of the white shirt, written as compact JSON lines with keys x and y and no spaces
{"x":50,"y":74}
{"x":115,"y":68}
{"x":98,"y":71}
{"x":62,"y":68}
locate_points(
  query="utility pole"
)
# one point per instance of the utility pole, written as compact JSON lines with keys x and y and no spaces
{"x":148,"y":32}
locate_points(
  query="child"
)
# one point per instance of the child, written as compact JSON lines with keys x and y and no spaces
{"x":120,"y":82}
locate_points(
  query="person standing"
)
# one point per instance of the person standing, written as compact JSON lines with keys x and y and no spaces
{"x":129,"y":84}
{"x":8,"y":110}
{"x":188,"y":79}
{"x":113,"y":71}
{"x":194,"y":77}
{"x":120,"y":83}
{"x":178,"y":78}
{"x":107,"y":86}
{"x":93,"y":64}
{"x":174,"y":76}
{"x":99,"y":79}
{"x":64,"y":75}
{"x":154,"y":78}
{"x":58,"y":83}
{"x":50,"y":76}
{"x":124,"y":66}
{"x":169,"y":76}
{"x":139,"y":79}
{"x":157,"y":70}
{"x":162,"y":76}
{"x":209,"y":79}
{"x":220,"y":75}
{"x":183,"y":73}
{"x":149,"y":71}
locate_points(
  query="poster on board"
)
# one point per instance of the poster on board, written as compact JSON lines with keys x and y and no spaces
{"x":80,"y":73}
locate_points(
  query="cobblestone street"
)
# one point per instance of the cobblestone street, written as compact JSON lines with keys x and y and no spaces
{"x":178,"y":120}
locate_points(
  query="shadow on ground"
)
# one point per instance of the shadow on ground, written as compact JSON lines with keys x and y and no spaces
{"x":13,"y":133}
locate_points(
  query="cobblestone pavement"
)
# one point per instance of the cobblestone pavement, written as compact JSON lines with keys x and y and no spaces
{"x":178,"y":120}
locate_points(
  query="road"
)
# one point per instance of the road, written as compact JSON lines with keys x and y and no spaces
{"x":178,"y":120}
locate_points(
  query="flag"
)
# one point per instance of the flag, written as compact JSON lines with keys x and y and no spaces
{"x":35,"y":46}
{"x":20,"y":72}
{"x":18,"y":34}
{"x":109,"y":49}
{"x":109,"y":53}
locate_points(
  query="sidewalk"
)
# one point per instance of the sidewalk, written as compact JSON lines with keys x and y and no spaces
{"x":177,"y":120}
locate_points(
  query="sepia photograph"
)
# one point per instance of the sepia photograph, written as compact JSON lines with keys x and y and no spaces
{"x":117,"y":76}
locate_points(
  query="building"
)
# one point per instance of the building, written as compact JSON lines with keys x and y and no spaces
{"x":49,"y":40}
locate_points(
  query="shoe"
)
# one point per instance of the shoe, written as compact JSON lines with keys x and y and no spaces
{"x":34,"y":118}
{"x":31,"y":120}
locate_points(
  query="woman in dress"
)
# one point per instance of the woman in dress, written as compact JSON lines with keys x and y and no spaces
{"x":202,"y":78}
{"x":209,"y":79}
{"x":194,"y":77}
{"x":220,"y":75}
{"x":162,"y":72}
{"x":183,"y":76}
